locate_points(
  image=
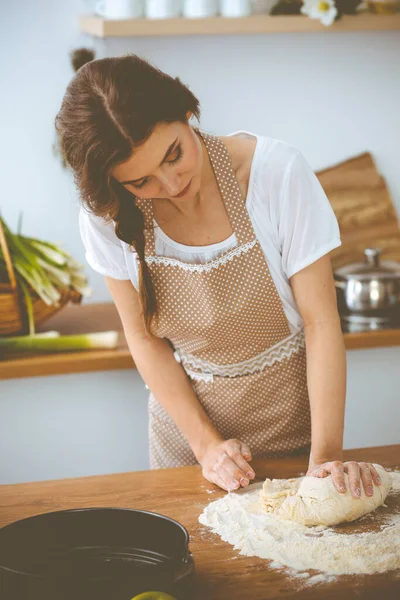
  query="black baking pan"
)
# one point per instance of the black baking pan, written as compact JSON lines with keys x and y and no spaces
{"x":94,"y":554}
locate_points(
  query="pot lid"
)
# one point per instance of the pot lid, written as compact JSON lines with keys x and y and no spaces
{"x":371,"y":268}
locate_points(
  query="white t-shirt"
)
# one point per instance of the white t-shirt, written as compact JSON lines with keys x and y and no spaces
{"x":291,"y":215}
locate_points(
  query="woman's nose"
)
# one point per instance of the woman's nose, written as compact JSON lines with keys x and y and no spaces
{"x":171,"y":185}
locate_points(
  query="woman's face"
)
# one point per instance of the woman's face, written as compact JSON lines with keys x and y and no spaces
{"x":168,"y":165}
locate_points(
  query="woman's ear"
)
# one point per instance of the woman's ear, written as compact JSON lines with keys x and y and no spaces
{"x":189,"y":115}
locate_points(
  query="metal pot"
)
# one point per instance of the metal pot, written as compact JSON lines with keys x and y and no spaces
{"x":369,"y":287}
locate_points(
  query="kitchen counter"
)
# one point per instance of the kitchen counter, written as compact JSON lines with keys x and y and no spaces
{"x":221,"y":573}
{"x":103,"y":317}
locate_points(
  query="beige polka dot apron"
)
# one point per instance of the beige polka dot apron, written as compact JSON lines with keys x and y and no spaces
{"x":227,"y":325}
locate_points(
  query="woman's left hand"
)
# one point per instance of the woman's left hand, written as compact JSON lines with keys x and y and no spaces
{"x":357,"y":471}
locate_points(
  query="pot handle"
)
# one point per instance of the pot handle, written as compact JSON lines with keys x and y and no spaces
{"x":340,"y":284}
{"x":372,"y":256}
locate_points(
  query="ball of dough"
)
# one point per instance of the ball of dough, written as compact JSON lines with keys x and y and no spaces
{"x":316,"y":501}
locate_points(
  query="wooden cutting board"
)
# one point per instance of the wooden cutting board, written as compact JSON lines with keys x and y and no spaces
{"x":364,"y":209}
{"x":221,"y":573}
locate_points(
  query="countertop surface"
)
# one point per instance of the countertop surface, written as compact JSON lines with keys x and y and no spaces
{"x":102,"y":317}
{"x":182,"y":494}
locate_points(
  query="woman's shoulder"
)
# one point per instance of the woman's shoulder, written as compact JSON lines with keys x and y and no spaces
{"x":95,"y":226}
{"x":104,"y":250}
{"x":268,"y":158}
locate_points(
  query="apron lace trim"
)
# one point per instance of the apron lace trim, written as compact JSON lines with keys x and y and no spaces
{"x":207,"y":370}
{"x":205,"y":267}
{"x":208,"y":377}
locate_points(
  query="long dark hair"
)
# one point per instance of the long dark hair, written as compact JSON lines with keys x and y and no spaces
{"x":110,"y":106}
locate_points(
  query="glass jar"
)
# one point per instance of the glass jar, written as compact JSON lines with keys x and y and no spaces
{"x":163,"y":9}
{"x":235,"y":8}
{"x":200,"y":9}
{"x":119,"y":9}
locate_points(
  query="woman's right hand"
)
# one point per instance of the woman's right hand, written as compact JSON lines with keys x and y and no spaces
{"x":225,"y":464}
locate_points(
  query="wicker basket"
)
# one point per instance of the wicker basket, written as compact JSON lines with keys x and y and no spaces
{"x":13,"y":313}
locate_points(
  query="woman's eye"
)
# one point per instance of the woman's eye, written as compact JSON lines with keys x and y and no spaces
{"x":140,"y":185}
{"x":178,"y":155}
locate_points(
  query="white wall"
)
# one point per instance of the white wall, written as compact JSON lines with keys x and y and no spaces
{"x":72,"y":425}
{"x":96,"y":423}
{"x":332,"y":95}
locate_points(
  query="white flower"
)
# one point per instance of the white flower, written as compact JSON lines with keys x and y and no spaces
{"x":324,"y":10}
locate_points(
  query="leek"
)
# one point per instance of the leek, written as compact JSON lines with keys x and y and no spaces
{"x":42,"y":287}
{"x":55,"y":274}
{"x":48,"y":252}
{"x":58,"y":343}
{"x":29,"y":308}
{"x":43,"y":266}
{"x":44,"y":334}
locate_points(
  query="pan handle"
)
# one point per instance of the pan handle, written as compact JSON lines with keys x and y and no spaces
{"x":340,"y":284}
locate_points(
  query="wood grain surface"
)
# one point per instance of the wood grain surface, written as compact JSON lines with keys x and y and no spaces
{"x":182,"y":494}
{"x":364,"y":209}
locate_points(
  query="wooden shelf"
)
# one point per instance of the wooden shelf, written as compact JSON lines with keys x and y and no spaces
{"x":101,"y":317}
{"x":87,"y":318}
{"x":372,"y":339}
{"x":103,"y":28}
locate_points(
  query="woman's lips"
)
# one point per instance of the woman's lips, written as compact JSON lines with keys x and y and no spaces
{"x":184,"y":191}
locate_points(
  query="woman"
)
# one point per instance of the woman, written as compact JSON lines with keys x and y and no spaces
{"x":215,"y":251}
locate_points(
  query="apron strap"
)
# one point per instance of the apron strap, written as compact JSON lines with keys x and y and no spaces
{"x":146,"y":206}
{"x":229,"y":188}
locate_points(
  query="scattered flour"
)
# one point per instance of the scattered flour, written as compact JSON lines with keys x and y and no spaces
{"x":239,"y":519}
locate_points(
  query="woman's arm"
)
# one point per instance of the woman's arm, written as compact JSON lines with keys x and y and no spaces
{"x":314,"y":292}
{"x":315,"y":295}
{"x":222,"y":461}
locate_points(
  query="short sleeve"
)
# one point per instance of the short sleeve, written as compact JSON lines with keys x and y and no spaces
{"x":307,"y":226}
{"x":104,"y":251}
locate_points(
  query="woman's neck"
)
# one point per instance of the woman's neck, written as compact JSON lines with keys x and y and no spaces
{"x":194,"y":207}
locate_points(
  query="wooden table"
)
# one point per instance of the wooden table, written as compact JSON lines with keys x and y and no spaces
{"x":182,"y":494}
{"x":102,"y":317}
